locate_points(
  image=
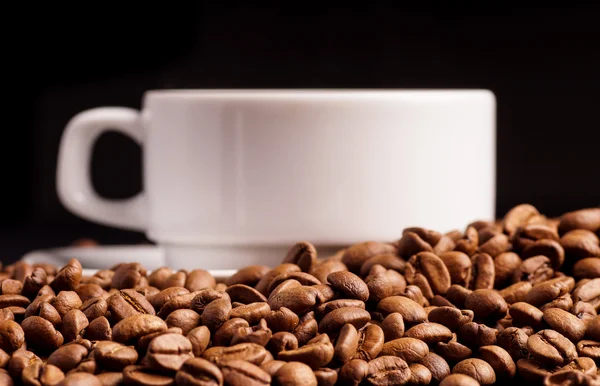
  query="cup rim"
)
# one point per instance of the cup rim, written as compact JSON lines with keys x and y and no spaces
{"x":294,"y":93}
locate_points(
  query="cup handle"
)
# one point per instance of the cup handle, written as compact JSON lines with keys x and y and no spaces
{"x":73,"y":179}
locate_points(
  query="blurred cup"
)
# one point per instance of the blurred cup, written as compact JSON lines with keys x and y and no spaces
{"x":236,"y":177}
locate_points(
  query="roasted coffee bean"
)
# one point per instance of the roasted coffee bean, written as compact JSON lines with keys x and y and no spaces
{"x":303,"y":254}
{"x":346,"y":344}
{"x":317,"y":352}
{"x":73,"y":325}
{"x":356,"y":255}
{"x":240,"y":372}
{"x":459,"y":267}
{"x":457,"y":295}
{"x":450,"y":317}
{"x":429,"y":273}
{"x":225,"y":333}
{"x":468,"y":242}
{"x":370,"y":342}
{"x":177,"y":279}
{"x":387,"y":261}
{"x":551,"y":348}
{"x":349,"y":285}
{"x":94,"y":308}
{"x":66,"y":301}
{"x":588,"y":218}
{"x":388,"y":370}
{"x":570,"y":377}
{"x":580,"y":243}
{"x":524,"y":314}
{"x":141,"y":376}
{"x":272,"y":366}
{"x":128,"y":302}
{"x":298,"y":300}
{"x":549,"y":290}
{"x":496,"y":245}
{"x":19,"y":360}
{"x":535,"y":270}
{"x":68,"y":357}
{"x":477,"y":369}
{"x":565,"y":323}
{"x":549,"y":248}
{"x":589,"y":348}
{"x":41,"y":334}
{"x":327,"y":307}
{"x":185,"y":319}
{"x":282,"y":341}
{"x":199,"y":372}
{"x":518,"y":216}
{"x":588,"y":292}
{"x":294,"y":374}
{"x":326,"y":376}
{"x":584,"y":364}
{"x":265,"y":281}
{"x":13,"y":300}
{"x":587,"y":268}
{"x":505,"y":265}
{"x":409,"y":349}
{"x":476,"y":335}
{"x":282,"y":319}
{"x":429,"y":333}
{"x":437,"y":366}
{"x":487,"y":304}
{"x":516,"y":292}
{"x":412,"y":313}
{"x":99,"y":329}
{"x":128,"y":276}
{"x":303,"y":278}
{"x":453,"y":351}
{"x":168,"y":352}
{"x":531,"y":370}
{"x":379,"y":284}
{"x":34,"y":282}
{"x":12,"y":336}
{"x":80,"y":379}
{"x":500,"y":360}
{"x":216,"y":313}
{"x":393,"y":326}
{"x":250,"y":352}
{"x":136,"y":326}
{"x":353,"y":372}
{"x":259,"y":334}
{"x":200,"y":339}
{"x":114,"y":356}
{"x":110,"y":378}
{"x":252,"y":312}
{"x":4,"y":358}
{"x":248,"y":275}
{"x":5,"y":378}
{"x":39,"y":374}
{"x":483,"y":273}
{"x":459,"y":380}
{"x":68,"y":277}
{"x":415,"y":294}
{"x":245,"y":294}
{"x":333,"y":321}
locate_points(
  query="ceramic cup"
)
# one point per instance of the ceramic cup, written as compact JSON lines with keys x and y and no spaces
{"x":235,"y":177}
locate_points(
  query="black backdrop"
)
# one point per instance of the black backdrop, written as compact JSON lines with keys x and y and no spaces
{"x":542,"y":64}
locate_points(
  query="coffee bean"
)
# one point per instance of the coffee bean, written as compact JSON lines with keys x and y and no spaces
{"x":199,"y":279}
{"x":282,"y":319}
{"x":393,"y":326}
{"x":409,"y":349}
{"x":353,"y":372}
{"x":333,"y":321}
{"x":94,"y":308}
{"x":486,"y":304}
{"x":453,"y":351}
{"x":483,"y":273}
{"x":39,"y":374}
{"x":282,"y":341}
{"x":496,"y":245}
{"x":356,"y":255}
{"x":317,"y":352}
{"x":73,"y":326}
{"x":66,"y":301}
{"x":565,"y":323}
{"x":505,"y":265}
{"x":588,"y":292}
{"x":272,"y":366}
{"x":12,"y":336}
{"x":140,"y":376}
{"x":580,"y":243}
{"x":80,"y":379}
{"x":294,"y":374}
{"x":569,"y":377}
{"x":450,"y":317}
{"x":185,"y":319}
{"x":517,"y":217}
{"x":437,"y":366}
{"x":136,"y":326}
{"x":589,"y":348}
{"x":99,"y":329}
{"x":240,"y":372}
{"x":252,"y":312}
{"x":387,"y":261}
{"x":128,"y":276}
{"x":468,"y":242}
{"x":500,"y":360}
{"x":535,"y":270}
{"x":216,"y":313}
{"x":588,"y":218}
{"x":248,"y":275}
{"x":303,"y":278}
{"x":551,"y":348}
{"x":68,"y":357}
{"x":326,"y":376}
{"x":245,"y":294}
{"x":110,"y":378}
{"x":168,"y":352}
{"x":549,"y":290}
{"x":420,"y":375}
{"x":412,"y":313}
{"x":524,"y":314}
{"x":5,"y":378}
{"x":476,"y":335}
{"x":250,"y":352}
{"x":298,"y":300}
{"x":200,"y":339}
{"x":532,"y":370}
{"x":370,"y":342}
{"x":68,"y":277}
{"x":429,"y":273}
{"x":4,"y":358}
{"x":303,"y":254}
{"x":41,"y":334}
{"x":349,"y":285}
{"x":429,"y":333}
{"x":459,"y":380}
{"x":477,"y":369}
{"x":459,"y":266}
{"x":347,"y":343}
{"x":388,"y":370}
{"x":583,"y":364}
{"x":114,"y":356}
{"x":259,"y":334}
{"x":265,"y":281}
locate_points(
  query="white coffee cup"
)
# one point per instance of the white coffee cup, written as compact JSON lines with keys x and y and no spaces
{"x":235,"y":177}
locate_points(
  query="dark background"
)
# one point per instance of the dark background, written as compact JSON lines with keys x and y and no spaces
{"x":542,"y":63}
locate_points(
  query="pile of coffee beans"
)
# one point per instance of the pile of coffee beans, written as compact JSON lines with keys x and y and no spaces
{"x":513,"y":300}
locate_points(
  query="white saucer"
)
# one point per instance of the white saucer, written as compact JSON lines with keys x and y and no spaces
{"x":103,"y":257}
